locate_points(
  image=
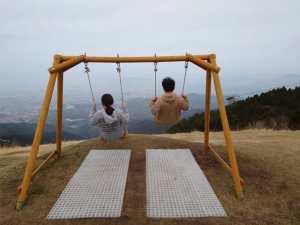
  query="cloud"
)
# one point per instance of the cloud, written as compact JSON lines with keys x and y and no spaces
{"x":250,"y":38}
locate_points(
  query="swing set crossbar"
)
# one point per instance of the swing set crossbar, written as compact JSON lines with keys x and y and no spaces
{"x":70,"y":61}
{"x":120,"y":59}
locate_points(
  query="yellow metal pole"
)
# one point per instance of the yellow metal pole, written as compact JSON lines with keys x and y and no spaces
{"x":120,"y":59}
{"x":204,"y":65}
{"x":225,"y":125}
{"x":68,"y":64}
{"x":207,"y":110}
{"x":59,"y":114}
{"x":37,"y":138}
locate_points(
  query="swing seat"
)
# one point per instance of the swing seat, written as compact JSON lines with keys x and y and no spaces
{"x":125,"y":136}
{"x":101,"y":138}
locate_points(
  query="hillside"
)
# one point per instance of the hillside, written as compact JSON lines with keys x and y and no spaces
{"x":277,"y":109}
{"x":23,"y":133}
{"x":27,"y":139}
{"x":270,"y":176}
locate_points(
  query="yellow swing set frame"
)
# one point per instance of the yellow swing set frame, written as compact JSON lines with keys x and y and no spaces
{"x":63,"y":63}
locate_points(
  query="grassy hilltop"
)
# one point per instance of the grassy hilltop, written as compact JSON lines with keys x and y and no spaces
{"x":268,"y":162}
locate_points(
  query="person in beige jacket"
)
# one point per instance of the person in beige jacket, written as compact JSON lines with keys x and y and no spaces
{"x":167,"y":108}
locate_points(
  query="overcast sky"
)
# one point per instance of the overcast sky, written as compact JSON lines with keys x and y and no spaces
{"x":256,"y":39}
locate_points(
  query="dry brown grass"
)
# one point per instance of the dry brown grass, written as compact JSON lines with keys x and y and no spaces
{"x":268,"y":162}
{"x":11,"y":156}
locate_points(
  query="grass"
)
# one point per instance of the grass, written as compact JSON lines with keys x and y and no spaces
{"x":268,"y":162}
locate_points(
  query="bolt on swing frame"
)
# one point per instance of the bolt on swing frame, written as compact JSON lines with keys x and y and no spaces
{"x":64,"y":63}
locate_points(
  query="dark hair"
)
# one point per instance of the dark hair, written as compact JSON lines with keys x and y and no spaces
{"x":108,"y":100}
{"x":168,"y":84}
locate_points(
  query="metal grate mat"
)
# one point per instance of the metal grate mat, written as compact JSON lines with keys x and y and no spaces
{"x":177,"y":187}
{"x":96,"y":189}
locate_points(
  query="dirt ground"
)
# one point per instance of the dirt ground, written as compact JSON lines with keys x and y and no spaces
{"x":267,"y":162}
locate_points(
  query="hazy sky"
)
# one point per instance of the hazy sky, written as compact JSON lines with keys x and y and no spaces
{"x":256,"y":39}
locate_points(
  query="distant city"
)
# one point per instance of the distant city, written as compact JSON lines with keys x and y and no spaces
{"x":25,"y":107}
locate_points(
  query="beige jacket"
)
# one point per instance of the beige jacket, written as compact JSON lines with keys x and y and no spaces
{"x":167,"y":108}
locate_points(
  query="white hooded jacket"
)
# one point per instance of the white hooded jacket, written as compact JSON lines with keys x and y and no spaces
{"x":111,"y":126}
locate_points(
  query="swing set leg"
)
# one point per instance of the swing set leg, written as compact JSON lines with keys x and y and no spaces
{"x":36,"y":143}
{"x":228,"y":139}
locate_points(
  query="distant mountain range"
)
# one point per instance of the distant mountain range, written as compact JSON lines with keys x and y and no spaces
{"x":75,"y":116}
{"x":241,"y":85}
{"x":76,"y":127}
{"x":248,"y":87}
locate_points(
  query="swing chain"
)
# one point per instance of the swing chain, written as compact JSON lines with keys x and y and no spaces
{"x":118,"y":68}
{"x":185,"y":66}
{"x":87,"y":70}
{"x":155,"y":68}
{"x":119,"y":71}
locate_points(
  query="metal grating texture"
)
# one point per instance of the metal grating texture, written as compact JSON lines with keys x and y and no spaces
{"x":96,"y":189}
{"x":177,"y":187}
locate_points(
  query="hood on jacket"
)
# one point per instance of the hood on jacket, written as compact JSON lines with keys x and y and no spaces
{"x":168,"y":97}
{"x":109,"y":119}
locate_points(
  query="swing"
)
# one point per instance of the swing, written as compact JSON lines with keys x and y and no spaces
{"x":87,"y":70}
{"x":155,"y":70}
{"x":63,"y":63}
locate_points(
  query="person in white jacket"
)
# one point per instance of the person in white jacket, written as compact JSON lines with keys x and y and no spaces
{"x":109,"y":120}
